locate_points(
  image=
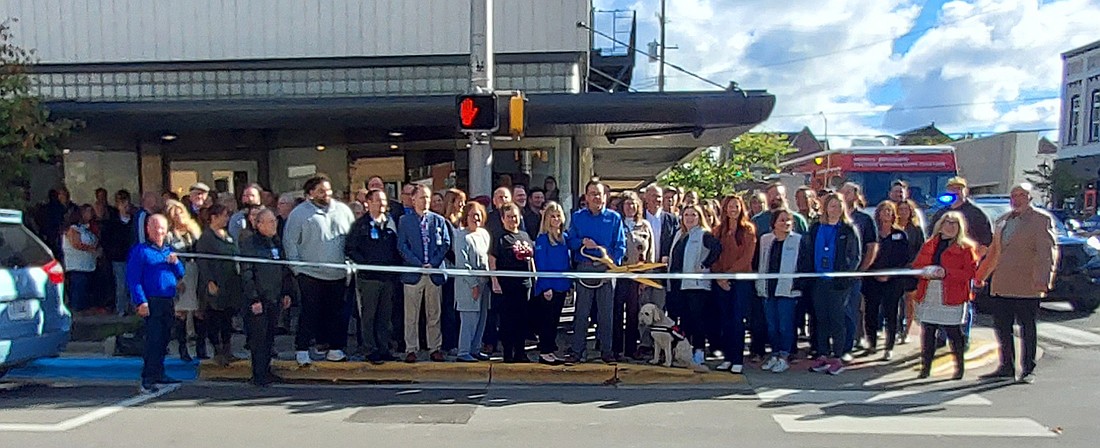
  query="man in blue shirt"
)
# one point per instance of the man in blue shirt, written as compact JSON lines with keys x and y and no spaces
{"x":590,"y":229}
{"x":152,"y":273}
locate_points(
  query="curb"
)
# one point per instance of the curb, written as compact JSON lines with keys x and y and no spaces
{"x":982,"y":353}
{"x":484,"y":372}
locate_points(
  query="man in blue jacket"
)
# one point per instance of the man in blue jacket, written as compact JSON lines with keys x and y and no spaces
{"x":152,"y":273}
{"x":590,"y":229}
{"x":423,"y":239}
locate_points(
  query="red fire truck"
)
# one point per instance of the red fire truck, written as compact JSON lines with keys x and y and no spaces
{"x":925,"y":168}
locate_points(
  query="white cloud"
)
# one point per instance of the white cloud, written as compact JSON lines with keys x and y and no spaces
{"x":987,"y":52}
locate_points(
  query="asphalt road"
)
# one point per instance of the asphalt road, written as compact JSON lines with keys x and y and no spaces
{"x":1061,"y":409}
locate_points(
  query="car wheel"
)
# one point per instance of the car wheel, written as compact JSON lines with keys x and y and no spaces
{"x":1085,"y":305}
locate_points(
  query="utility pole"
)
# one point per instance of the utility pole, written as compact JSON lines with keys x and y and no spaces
{"x":481,"y":80}
{"x":661,"y":68}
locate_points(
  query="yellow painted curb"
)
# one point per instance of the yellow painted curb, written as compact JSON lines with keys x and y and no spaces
{"x":646,"y":374}
{"x":592,"y":373}
{"x":393,"y":372}
{"x":980,"y":353}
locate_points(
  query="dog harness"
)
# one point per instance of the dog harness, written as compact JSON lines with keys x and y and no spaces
{"x":674,"y":330}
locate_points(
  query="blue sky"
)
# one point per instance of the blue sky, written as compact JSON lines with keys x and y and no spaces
{"x":877,"y":66}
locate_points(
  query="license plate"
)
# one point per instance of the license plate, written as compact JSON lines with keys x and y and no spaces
{"x":20,"y":310}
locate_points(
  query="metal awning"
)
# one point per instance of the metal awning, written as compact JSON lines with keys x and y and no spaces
{"x":680,"y":119}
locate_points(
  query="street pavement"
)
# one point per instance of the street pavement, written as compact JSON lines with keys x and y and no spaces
{"x":876,"y":405}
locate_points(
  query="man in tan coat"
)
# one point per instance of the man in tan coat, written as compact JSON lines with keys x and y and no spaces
{"x":1022,"y":261}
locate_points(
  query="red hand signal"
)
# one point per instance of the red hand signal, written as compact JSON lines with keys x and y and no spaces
{"x":468,"y":112}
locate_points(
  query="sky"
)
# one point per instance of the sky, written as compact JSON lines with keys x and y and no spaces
{"x":872,"y":67}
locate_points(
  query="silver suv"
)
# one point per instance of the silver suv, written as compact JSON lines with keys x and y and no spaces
{"x":34,"y":322}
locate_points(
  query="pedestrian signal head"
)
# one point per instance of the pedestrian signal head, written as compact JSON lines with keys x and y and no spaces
{"x":477,"y":112}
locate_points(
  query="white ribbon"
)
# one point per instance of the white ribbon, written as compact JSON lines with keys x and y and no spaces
{"x":348,"y":267}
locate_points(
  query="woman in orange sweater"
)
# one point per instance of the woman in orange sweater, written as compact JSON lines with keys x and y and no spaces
{"x":945,"y":293}
{"x":738,"y":237}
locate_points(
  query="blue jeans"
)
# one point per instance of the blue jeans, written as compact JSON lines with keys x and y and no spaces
{"x":734,"y":304}
{"x":851,"y":315}
{"x":780,"y":314}
{"x":78,"y":287}
{"x":122,"y":293}
{"x":158,"y":329}
{"x":471,"y":327}
{"x":830,"y":306}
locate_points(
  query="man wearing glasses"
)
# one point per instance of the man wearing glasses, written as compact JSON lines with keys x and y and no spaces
{"x":1022,"y":262}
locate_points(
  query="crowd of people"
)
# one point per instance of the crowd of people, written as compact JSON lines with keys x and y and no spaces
{"x":470,"y":318}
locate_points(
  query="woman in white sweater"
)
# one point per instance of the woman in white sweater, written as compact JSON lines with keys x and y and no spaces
{"x":781,"y":251}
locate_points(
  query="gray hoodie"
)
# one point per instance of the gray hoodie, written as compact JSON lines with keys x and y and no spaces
{"x":316,"y":234}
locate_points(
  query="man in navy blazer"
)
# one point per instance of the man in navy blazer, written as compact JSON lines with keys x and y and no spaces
{"x":423,"y":238}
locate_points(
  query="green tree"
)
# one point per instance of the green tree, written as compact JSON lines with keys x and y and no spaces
{"x":27,"y":134}
{"x":747,"y":158}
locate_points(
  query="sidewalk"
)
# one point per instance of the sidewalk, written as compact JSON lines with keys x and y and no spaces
{"x":869,"y":372}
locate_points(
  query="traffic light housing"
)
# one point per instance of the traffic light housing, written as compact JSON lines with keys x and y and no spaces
{"x":477,"y":112}
{"x":517,"y":115}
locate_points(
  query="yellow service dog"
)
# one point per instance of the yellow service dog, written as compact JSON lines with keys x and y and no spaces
{"x":667,"y":339}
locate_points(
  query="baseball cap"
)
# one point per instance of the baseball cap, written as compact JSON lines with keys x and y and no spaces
{"x":199,"y":186}
{"x":958,"y":181}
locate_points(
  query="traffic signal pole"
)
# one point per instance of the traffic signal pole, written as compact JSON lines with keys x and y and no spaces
{"x":481,"y":79}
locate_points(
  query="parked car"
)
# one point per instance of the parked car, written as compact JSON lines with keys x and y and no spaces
{"x":34,"y":322}
{"x":1074,"y":282}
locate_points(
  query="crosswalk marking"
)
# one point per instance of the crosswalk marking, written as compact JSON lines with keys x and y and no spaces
{"x":835,"y":414}
{"x":908,"y":398}
{"x":902,"y":425}
{"x":1066,"y":335}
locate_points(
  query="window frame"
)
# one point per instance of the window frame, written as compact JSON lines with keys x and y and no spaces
{"x":1074,"y":130}
{"x":1094,"y":118}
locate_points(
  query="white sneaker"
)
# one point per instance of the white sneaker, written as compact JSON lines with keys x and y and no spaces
{"x":769,"y":363}
{"x":847,"y":357}
{"x":336,"y":356}
{"x":888,"y":355}
{"x":737,"y":368}
{"x":725,"y":366}
{"x":781,"y":365}
{"x":303,"y":358}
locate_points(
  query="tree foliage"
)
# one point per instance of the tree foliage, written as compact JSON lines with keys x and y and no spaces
{"x":747,"y":158}
{"x":27,"y":134}
{"x":1054,"y":183}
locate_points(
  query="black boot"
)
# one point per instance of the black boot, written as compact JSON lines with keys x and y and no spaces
{"x":960,"y":368}
{"x":181,"y":339}
{"x":200,"y":339}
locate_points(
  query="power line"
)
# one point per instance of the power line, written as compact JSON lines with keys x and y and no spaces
{"x":924,"y":107}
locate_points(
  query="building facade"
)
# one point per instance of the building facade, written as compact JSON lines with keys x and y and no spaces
{"x":993,"y":164}
{"x":1079,"y":131}
{"x":231,"y":92}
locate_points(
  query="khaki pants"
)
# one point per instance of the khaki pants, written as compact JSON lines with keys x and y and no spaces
{"x":427,"y":293}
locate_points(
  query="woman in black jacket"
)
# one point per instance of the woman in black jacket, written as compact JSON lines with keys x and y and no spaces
{"x":267,"y":288}
{"x":835,"y":247}
{"x":219,"y":283}
{"x":883,"y":294}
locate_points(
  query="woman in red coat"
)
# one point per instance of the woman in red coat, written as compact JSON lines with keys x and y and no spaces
{"x":945,"y":292}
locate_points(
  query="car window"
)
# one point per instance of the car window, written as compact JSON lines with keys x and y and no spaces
{"x":994,"y":210}
{"x":19,"y":248}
